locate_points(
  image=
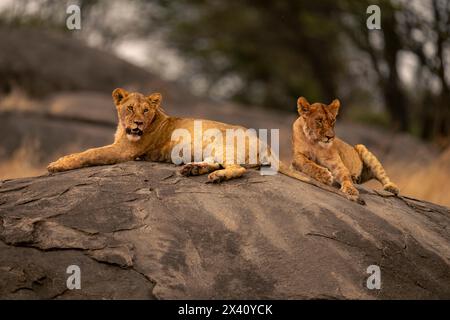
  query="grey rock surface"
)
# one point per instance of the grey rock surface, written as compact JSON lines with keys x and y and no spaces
{"x":139,"y":230}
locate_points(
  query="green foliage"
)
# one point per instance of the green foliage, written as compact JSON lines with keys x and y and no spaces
{"x":278,"y":49}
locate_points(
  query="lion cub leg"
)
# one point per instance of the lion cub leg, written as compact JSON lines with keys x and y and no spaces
{"x":343,"y":177}
{"x":199,"y":168}
{"x":312,"y":169}
{"x":230,"y":171}
{"x":376,"y":168}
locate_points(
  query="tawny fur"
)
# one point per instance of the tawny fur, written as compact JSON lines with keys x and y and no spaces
{"x":322,"y":156}
{"x":145,"y":132}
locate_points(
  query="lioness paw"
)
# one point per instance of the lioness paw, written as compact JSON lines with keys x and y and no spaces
{"x":63,"y":164}
{"x":189,"y":169}
{"x":55,"y":166}
{"x":392,"y":188}
{"x":216,"y":177}
{"x":198,"y":168}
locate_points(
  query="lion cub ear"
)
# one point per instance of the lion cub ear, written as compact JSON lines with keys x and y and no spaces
{"x":303,"y":106}
{"x":155,"y":99}
{"x":118,"y":95}
{"x":334,"y":107}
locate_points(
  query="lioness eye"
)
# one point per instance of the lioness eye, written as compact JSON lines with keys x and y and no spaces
{"x":145,"y":110}
{"x":130,"y":108}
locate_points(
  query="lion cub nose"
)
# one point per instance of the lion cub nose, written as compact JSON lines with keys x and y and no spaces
{"x":138,"y":123}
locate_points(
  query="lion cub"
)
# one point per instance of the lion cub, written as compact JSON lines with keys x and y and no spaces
{"x":319,"y":154}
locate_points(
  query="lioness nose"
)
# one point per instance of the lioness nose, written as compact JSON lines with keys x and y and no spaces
{"x":137,"y":122}
{"x":330,"y":136}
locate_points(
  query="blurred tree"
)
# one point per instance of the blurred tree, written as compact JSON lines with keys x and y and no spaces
{"x":429,"y":39}
{"x":383,"y":47}
{"x":269,"y":52}
{"x":421,"y":28}
{"x":277,"y":49}
{"x":282,"y":49}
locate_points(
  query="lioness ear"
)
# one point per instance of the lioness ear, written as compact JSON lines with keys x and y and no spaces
{"x":334,"y":107}
{"x":118,"y":95}
{"x":155,"y":99}
{"x":303,"y":106}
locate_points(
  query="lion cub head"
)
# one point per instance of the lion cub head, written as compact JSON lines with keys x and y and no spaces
{"x":319,"y":120}
{"x":136,"y":111}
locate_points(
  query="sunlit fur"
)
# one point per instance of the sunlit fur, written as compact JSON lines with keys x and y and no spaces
{"x":145,"y":132}
{"x":136,"y":112}
{"x":318,"y":153}
{"x":319,"y":120}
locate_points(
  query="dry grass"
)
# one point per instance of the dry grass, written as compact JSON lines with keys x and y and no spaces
{"x":17,"y":100}
{"x":20,"y":164}
{"x":431,"y":183}
{"x":26,"y":160}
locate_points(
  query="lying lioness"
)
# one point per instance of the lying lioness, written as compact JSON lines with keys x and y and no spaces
{"x":145,"y":132}
{"x":319,"y":154}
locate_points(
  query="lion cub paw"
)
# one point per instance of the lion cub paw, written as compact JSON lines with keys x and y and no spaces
{"x":325,"y":177}
{"x":349,"y":188}
{"x":351,"y":192}
{"x":392,"y":188}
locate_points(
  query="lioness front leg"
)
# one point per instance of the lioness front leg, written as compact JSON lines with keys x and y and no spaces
{"x":91,"y":157}
{"x":312,"y":169}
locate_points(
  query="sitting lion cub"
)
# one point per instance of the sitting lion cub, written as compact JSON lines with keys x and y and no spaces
{"x":319,"y":154}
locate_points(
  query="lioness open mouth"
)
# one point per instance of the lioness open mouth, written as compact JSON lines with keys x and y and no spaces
{"x":134,"y":134}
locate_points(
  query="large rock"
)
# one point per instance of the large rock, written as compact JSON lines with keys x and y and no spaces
{"x":138,"y":230}
{"x":59,"y":62}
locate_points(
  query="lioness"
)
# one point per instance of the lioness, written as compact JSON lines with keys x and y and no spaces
{"x":319,"y":154}
{"x":145,"y":132}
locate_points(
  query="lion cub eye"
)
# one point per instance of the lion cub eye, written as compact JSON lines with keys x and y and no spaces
{"x":145,"y":110}
{"x":130,"y":108}
{"x":319,"y":122}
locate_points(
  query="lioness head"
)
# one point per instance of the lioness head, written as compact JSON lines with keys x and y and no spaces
{"x":319,"y":120}
{"x":136,"y":111}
